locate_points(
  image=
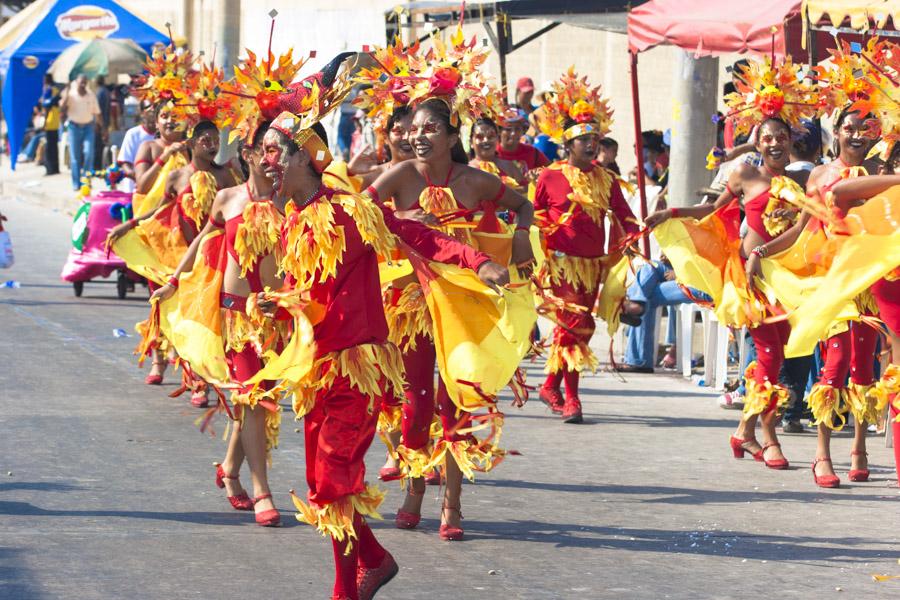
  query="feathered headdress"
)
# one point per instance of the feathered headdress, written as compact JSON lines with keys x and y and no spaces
{"x":767,"y":91}
{"x":386,"y":85}
{"x":450,"y":72}
{"x":255,"y":91}
{"x":170,"y":78}
{"x":866,"y":80}
{"x":305,"y":103}
{"x":572,"y":98}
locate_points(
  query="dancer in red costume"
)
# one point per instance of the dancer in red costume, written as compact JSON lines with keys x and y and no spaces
{"x":886,"y":291}
{"x":718,"y":258}
{"x":189,"y":193}
{"x":416,"y":195}
{"x":484,"y":135}
{"x":332,"y":239}
{"x":851,"y":351}
{"x":751,"y":185}
{"x":573,"y":200}
{"x":251,"y":223}
{"x":396,"y":131}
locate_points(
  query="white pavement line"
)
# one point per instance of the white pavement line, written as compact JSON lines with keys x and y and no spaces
{"x":69,"y":337}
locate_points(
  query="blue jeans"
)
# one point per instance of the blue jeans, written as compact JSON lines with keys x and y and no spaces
{"x":31,"y":149}
{"x":651,"y":288}
{"x":81,"y":150}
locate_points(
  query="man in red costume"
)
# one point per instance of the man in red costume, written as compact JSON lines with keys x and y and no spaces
{"x":332,"y":240}
{"x":572,"y":201}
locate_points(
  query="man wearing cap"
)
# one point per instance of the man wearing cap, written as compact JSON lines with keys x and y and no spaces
{"x":525,"y":93}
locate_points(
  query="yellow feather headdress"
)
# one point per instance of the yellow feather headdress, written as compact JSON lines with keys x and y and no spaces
{"x":449,"y":71}
{"x":768,"y":91}
{"x":254,"y":92}
{"x":573,"y":98}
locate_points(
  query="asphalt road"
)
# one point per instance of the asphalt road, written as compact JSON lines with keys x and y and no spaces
{"x":106,"y":485}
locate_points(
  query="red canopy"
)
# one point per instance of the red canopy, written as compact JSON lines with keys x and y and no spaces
{"x":710,"y":28}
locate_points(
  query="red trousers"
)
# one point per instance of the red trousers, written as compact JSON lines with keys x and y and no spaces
{"x":769,"y":339}
{"x":578,"y":326}
{"x":420,"y":405}
{"x":853,"y":352}
{"x":338,"y":431}
{"x":887,"y":296}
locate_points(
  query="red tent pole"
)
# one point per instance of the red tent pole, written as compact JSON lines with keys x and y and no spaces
{"x":638,"y":145}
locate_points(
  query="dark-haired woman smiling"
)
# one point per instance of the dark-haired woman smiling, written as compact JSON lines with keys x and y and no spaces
{"x":439,"y":182}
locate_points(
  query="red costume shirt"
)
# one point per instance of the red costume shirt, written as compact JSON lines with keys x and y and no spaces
{"x":577,"y":234}
{"x":353,"y":306}
{"x":528,"y":155}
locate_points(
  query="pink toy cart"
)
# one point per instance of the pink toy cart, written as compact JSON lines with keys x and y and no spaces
{"x":89,"y":259}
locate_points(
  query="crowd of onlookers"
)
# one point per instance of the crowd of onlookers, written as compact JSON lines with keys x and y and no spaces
{"x":85,"y":116}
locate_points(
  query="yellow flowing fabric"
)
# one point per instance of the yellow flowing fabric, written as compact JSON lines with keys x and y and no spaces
{"x":156,"y":245}
{"x":480,"y":336}
{"x":705,"y":255}
{"x":870,"y":251}
{"x":144,"y":203}
{"x":192,"y":318}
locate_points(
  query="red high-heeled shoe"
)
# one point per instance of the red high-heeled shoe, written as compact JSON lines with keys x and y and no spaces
{"x":434,"y":477}
{"x":153,"y":380}
{"x":406,"y":520}
{"x":779,"y":463}
{"x":369,"y":581}
{"x":737,"y":446}
{"x":200,"y":399}
{"x":446,"y":532}
{"x":824,"y":481}
{"x":389,"y":474}
{"x":267,"y":518}
{"x":239,"y":502}
{"x":859,"y":474}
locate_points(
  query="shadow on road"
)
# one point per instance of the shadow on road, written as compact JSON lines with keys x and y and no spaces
{"x":736,"y":544}
{"x":24,"y":509}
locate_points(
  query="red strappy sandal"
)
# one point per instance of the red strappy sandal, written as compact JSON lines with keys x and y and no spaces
{"x":447,"y":532}
{"x":825,"y":481}
{"x":859,"y":474}
{"x":239,"y":502}
{"x":737,"y":446}
{"x":267,"y":518}
{"x":389,"y":474}
{"x":406,"y":520}
{"x":780,"y":463}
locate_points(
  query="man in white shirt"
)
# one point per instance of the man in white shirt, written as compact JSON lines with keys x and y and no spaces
{"x":134,"y":137}
{"x":80,"y":108}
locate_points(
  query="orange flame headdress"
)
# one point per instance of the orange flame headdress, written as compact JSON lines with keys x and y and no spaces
{"x":255,"y":91}
{"x":169,"y":79}
{"x":766,"y":91}
{"x":574,"y":99}
{"x":450,"y":72}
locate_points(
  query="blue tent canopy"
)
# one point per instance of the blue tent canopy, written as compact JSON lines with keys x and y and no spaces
{"x":60,"y":24}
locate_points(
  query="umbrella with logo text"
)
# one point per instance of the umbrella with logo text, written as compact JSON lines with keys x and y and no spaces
{"x":107,"y":57}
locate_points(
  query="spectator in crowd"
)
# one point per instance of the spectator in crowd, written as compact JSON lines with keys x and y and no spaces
{"x":144,"y":131}
{"x":511,"y":146}
{"x":49,"y":102}
{"x":347,"y":125}
{"x":104,"y":100}
{"x":525,"y":94}
{"x":736,"y":70}
{"x":37,"y":134}
{"x":654,"y":286}
{"x":80,"y":108}
{"x":609,"y":150}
